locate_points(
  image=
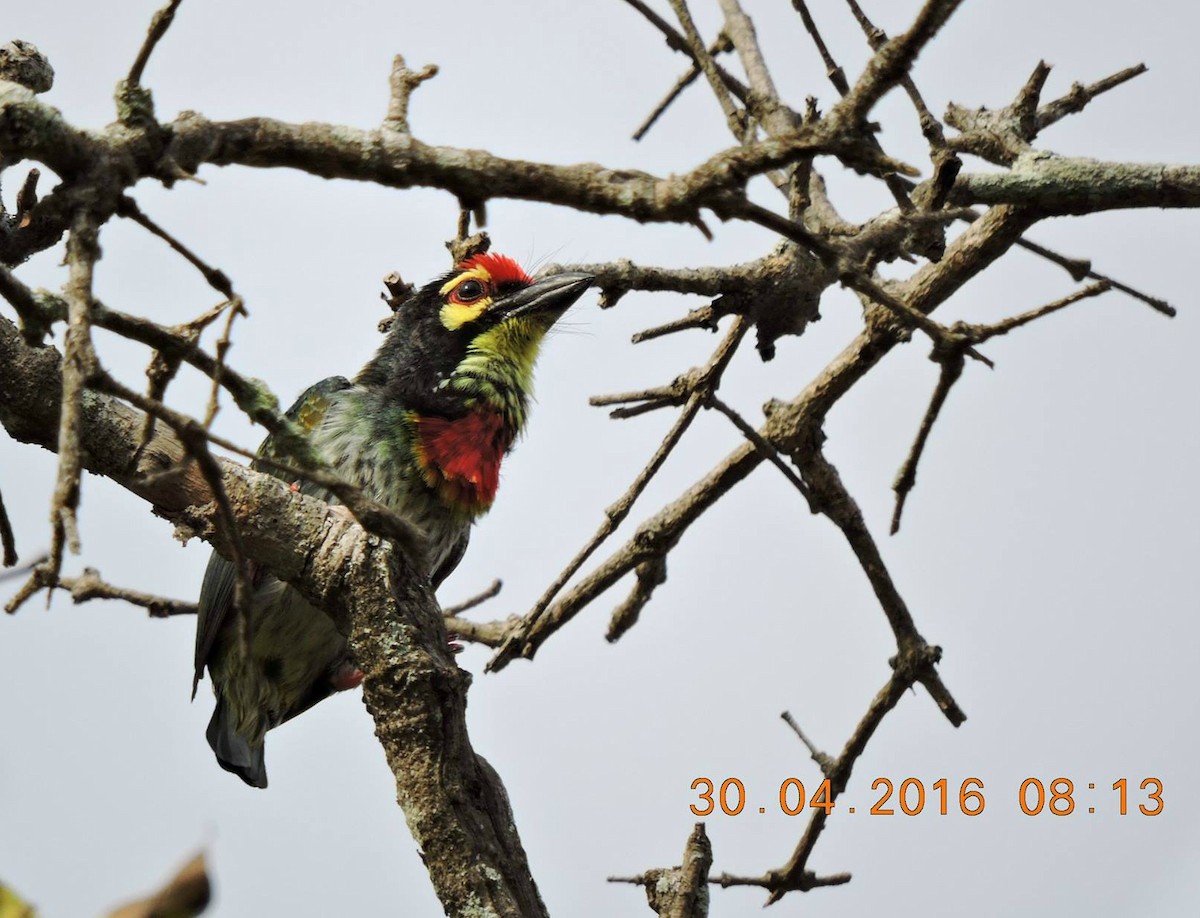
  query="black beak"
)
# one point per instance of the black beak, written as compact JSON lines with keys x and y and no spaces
{"x":550,"y":295}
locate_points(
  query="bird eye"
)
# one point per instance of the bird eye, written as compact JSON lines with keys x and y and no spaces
{"x":469,"y":291}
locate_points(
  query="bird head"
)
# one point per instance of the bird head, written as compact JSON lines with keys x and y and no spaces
{"x":469,"y":339}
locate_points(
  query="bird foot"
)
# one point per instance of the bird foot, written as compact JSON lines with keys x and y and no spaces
{"x":453,"y":645}
{"x":346,"y":677}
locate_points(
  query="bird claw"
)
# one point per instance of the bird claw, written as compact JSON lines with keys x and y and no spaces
{"x":453,"y":645}
{"x":346,"y":677}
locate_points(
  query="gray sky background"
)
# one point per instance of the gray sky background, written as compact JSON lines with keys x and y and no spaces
{"x":1049,"y":546}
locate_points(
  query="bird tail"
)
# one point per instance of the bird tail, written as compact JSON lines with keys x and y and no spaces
{"x":233,"y":752}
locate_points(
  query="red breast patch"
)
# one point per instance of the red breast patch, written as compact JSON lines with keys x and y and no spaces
{"x":462,"y":456}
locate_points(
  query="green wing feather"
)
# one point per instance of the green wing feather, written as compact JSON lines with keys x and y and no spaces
{"x":216,"y":591}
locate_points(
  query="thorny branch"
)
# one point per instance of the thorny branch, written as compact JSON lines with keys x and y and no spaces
{"x":777,"y":295}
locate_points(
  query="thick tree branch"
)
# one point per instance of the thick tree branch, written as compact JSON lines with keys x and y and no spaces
{"x":1059,"y":185}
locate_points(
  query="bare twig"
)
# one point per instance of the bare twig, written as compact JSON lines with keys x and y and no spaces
{"x":906,"y":478}
{"x":1078,"y":97}
{"x":703,"y":59}
{"x":158,"y":28}
{"x":677,"y":42}
{"x":1061,"y":186}
{"x":981,"y":333}
{"x":930,"y":126}
{"x":740,"y":29}
{"x":765,"y":448}
{"x":763,"y":104}
{"x":90,"y":585}
{"x":824,"y":762}
{"x":463,"y":247}
{"x":79,"y":366}
{"x":806,"y":881}
{"x":837,"y":76}
{"x":719,"y":46}
{"x":640,"y":401}
{"x":841,"y":508}
{"x":403,"y":82}
{"x":488,"y":634}
{"x":217,"y":279}
{"x":705,"y":317}
{"x":235,"y":309}
{"x":36,"y":315}
{"x":159,"y":373}
{"x":649,"y":575}
{"x":617,"y":278}
{"x":476,"y":600}
{"x":1082,"y":270}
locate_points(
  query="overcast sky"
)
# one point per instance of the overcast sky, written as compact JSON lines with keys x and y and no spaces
{"x":1049,"y":546}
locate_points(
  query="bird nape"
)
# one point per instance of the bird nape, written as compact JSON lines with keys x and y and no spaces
{"x":422,"y":428}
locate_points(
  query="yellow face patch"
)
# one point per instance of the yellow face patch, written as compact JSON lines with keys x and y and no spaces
{"x":456,"y":313}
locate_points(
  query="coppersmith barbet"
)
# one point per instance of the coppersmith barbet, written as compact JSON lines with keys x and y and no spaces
{"x":423,"y":429}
